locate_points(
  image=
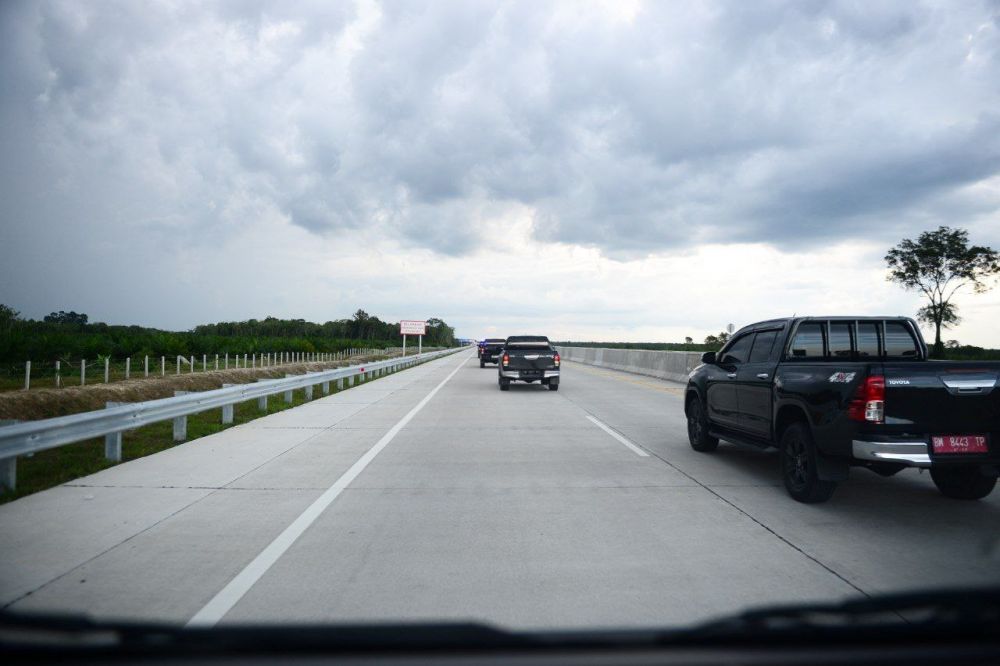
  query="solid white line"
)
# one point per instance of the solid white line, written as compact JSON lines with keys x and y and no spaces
{"x":224,"y":601}
{"x":620,"y":438}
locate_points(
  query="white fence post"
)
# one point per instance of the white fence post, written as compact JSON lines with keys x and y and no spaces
{"x":204,"y":362}
{"x":191,"y":362}
{"x":178,"y":365}
{"x":244,"y":361}
{"x":113,"y":440}
{"x":128,"y":367}
{"x":216,"y":361}
{"x":163,"y":366}
{"x":145,"y":366}
{"x":253,"y":361}
{"x":58,"y":377}
{"x":107,"y":367}
{"x":27,"y":375}
{"x":180,"y":422}
{"x":227,"y":360}
{"x":83,"y":372}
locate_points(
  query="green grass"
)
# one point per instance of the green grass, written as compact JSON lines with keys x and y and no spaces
{"x":47,"y":469}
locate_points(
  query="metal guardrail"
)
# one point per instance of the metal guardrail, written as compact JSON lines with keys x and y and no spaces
{"x":33,"y":436}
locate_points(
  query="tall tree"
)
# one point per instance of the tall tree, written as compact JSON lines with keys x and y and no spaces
{"x":938,"y":264}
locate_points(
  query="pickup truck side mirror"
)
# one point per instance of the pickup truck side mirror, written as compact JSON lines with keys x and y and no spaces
{"x":708,"y":357}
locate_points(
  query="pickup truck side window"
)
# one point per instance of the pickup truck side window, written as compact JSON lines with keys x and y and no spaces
{"x":808,"y":341}
{"x":868,"y":339}
{"x":840,"y":339}
{"x":762,"y":344}
{"x":899,"y":342}
{"x":738,"y":351}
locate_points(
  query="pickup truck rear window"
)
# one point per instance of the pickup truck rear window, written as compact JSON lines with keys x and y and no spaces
{"x":899,"y":342}
{"x":868,"y":339}
{"x":808,"y":341}
{"x":840,"y":339}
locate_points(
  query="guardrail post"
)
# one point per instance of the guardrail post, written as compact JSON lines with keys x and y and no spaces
{"x":181,"y":422}
{"x":262,"y":400}
{"x":326,"y":388}
{"x":113,"y":440}
{"x":340,"y":384}
{"x":227,"y":410}
{"x":8,"y":466}
{"x":350,"y":381}
{"x":288,"y":394}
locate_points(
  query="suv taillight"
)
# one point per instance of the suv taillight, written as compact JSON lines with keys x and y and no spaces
{"x":506,"y":359}
{"x":868,"y":404}
{"x":556,"y":359}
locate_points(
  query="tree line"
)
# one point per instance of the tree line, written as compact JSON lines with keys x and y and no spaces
{"x":70,"y":335}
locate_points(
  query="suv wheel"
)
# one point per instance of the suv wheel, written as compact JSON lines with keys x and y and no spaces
{"x":698,"y":428}
{"x":964,"y":482}
{"x":798,"y":466}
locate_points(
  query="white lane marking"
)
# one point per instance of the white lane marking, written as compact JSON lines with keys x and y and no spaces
{"x":228,"y":597}
{"x":620,"y":438}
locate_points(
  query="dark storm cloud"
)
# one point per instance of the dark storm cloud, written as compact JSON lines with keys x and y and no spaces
{"x":779,"y":122}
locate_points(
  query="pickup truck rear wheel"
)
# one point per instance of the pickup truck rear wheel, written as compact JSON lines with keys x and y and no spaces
{"x":698,"y":429}
{"x":963,"y":482}
{"x":553,"y":386}
{"x":798,"y":466}
{"x":504,"y":384}
{"x":482,"y":363}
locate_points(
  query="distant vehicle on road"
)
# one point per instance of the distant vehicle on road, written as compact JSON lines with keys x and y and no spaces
{"x":835,"y":392}
{"x":529,"y":358}
{"x":490,"y":351}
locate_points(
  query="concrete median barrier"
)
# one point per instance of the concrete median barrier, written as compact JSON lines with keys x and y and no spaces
{"x":671,"y":365}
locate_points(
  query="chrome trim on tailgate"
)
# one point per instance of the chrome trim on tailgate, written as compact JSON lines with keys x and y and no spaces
{"x":913,"y":454}
{"x":969,"y":383}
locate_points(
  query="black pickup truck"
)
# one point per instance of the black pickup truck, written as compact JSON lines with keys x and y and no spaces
{"x":833,"y":393}
{"x":489,"y":352}
{"x":528,"y":358}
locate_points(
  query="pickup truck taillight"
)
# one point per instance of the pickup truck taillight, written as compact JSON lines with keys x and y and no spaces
{"x":556,"y":359}
{"x":868,"y":404}
{"x":506,"y":359}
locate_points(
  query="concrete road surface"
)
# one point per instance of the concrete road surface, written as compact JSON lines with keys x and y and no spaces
{"x":431,"y":495}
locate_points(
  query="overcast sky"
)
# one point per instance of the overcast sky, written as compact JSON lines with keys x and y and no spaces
{"x":611,"y":171}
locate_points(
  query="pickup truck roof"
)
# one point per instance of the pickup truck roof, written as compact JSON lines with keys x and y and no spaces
{"x":527,"y":340}
{"x":495,"y":340}
{"x":780,"y":323}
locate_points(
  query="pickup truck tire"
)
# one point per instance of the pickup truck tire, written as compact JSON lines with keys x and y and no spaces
{"x":482,"y":363}
{"x":964,"y":482}
{"x":504,"y":384}
{"x":798,"y":466}
{"x":698,"y":429}
{"x":553,"y":386}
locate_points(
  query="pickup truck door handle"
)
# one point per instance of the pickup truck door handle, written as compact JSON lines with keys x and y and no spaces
{"x":761,"y":375}
{"x":731,"y":375}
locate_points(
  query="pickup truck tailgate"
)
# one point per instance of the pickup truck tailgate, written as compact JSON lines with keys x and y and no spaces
{"x":944,"y":398}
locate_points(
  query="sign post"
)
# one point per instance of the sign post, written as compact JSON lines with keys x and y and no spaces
{"x":413,"y":327}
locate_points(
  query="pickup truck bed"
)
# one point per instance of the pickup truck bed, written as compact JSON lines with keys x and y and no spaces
{"x":834,"y":393}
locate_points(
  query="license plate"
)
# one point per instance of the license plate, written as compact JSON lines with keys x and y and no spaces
{"x":959,"y":444}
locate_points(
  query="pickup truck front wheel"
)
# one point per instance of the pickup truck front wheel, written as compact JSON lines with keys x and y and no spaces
{"x":964,"y":482}
{"x":698,"y":429}
{"x":798,"y":467}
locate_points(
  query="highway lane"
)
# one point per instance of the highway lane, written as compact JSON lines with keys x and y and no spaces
{"x":514,"y":508}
